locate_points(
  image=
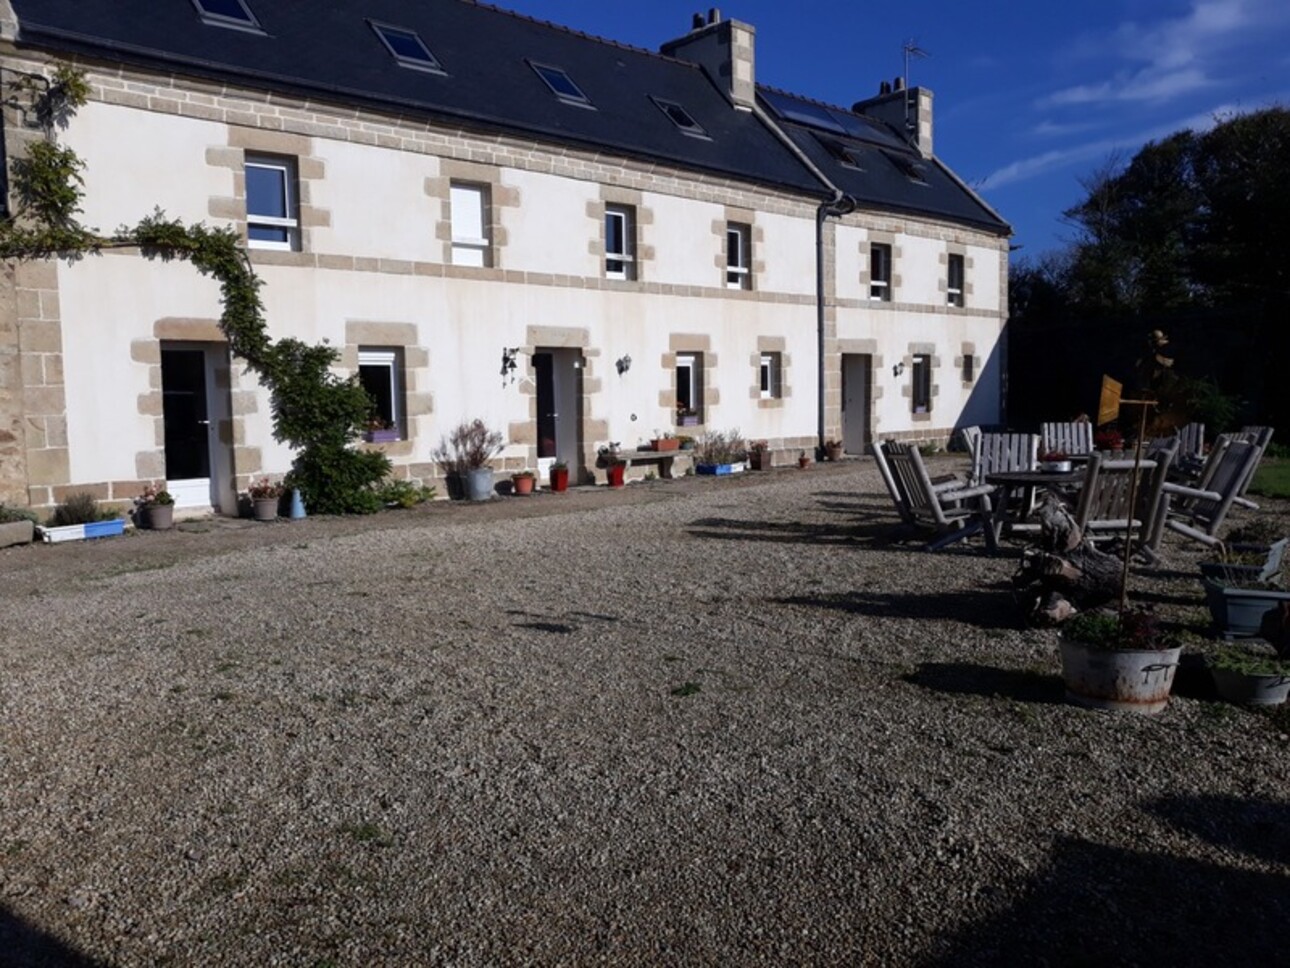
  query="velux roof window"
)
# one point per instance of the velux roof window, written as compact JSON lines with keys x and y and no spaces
{"x":227,"y":13}
{"x":843,"y":154}
{"x":561,"y":84}
{"x":680,"y":117}
{"x":907,"y":167}
{"x":406,"y":47}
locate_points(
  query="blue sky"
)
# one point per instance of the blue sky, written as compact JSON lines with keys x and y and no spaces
{"x":1031,"y":95}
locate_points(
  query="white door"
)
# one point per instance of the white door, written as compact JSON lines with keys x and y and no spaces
{"x":196,"y":414}
{"x":856,"y":370}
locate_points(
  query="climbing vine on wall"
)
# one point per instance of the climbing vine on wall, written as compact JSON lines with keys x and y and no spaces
{"x":318,"y":413}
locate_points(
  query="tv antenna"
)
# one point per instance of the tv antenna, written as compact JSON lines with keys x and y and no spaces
{"x":910,"y":49}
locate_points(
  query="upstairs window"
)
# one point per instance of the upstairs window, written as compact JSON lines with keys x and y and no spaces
{"x":771,"y":378}
{"x":227,"y":13}
{"x":880,"y":272}
{"x":380,"y":373}
{"x":738,"y":256}
{"x":921,"y":380}
{"x":680,"y":117}
{"x":954,"y":280}
{"x":470,"y":242}
{"x":969,"y":367}
{"x":620,"y":242}
{"x":272,"y":221}
{"x":406,"y":47}
{"x":561,"y":85}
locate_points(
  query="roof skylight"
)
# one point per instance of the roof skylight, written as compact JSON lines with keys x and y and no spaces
{"x":842,"y":154}
{"x":907,"y":167}
{"x":227,"y":13}
{"x":406,"y":47}
{"x":561,"y":84}
{"x":680,"y":117}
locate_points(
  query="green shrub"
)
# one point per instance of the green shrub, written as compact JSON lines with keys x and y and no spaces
{"x":79,"y":508}
{"x":1237,"y":659}
{"x":1135,"y":629}
{"x":336,"y":479}
{"x":403,"y":494}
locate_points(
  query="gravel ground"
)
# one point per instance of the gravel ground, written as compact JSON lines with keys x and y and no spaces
{"x":734,"y":722}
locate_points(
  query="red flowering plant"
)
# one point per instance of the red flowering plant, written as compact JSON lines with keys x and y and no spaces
{"x":1108,"y":440}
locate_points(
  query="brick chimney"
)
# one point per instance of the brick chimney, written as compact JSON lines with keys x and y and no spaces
{"x":906,"y":111}
{"x":724,"y":49}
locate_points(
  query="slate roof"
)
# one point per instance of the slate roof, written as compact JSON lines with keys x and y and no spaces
{"x":328,"y":50}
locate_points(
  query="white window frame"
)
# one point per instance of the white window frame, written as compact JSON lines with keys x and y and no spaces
{"x":287,"y":168}
{"x":469,"y":250}
{"x":691,"y":364}
{"x":390,"y":358}
{"x":248,"y":23}
{"x":880,"y":284}
{"x":429,"y":63}
{"x":920,"y":375}
{"x":738,"y":256}
{"x":621,"y":265}
{"x":953,"y":293}
{"x":770,"y":376}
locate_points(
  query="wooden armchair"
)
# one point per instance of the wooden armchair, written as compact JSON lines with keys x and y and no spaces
{"x":953,"y":510}
{"x":1198,"y":512}
{"x":1073,"y":439}
{"x":1104,"y":511}
{"x":1260,"y":437}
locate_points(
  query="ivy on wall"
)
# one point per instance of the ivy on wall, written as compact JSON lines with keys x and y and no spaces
{"x":319,"y":414}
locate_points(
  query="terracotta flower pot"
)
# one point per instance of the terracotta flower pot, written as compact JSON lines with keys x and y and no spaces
{"x":522,"y":483}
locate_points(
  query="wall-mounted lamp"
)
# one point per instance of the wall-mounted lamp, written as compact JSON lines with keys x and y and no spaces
{"x":623,"y":363}
{"x":508,"y":363}
{"x":898,"y":369}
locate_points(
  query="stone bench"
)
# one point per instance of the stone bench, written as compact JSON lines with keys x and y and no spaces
{"x":663,"y":458}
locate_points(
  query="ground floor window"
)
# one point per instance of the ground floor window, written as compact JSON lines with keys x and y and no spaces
{"x":921,"y":377}
{"x":380,"y":373}
{"x":771,"y":376}
{"x":689,"y":388}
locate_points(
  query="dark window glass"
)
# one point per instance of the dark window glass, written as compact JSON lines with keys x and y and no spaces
{"x":266,"y":191}
{"x":227,"y":9}
{"x":406,"y":46}
{"x":560,"y":82}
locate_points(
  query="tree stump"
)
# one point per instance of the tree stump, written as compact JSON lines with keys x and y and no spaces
{"x":1066,"y":574}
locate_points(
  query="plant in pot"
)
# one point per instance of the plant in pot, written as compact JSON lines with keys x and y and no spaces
{"x":1238,"y":604}
{"x":1054,"y":462}
{"x":155,"y":508}
{"x":615,"y":466}
{"x":560,"y":477}
{"x":1249,"y":677}
{"x":522,"y":482}
{"x":721,"y":452}
{"x":759,"y":455}
{"x":80,"y":517}
{"x":685,"y":441}
{"x":380,"y":431}
{"x":802,"y":460}
{"x":687,"y":417}
{"x":1257,"y":562}
{"x":833,"y":450}
{"x":17,"y":526}
{"x":1109,"y":440}
{"x":664,"y":442}
{"x":264,"y":495}
{"x":1119,"y":661}
{"x":464,"y":455}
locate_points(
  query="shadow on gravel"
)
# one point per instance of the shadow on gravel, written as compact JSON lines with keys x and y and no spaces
{"x":733,"y":529}
{"x":964,"y":678}
{"x":1094,"y":904}
{"x":22,"y":943}
{"x":1257,"y":828}
{"x":984,"y":609}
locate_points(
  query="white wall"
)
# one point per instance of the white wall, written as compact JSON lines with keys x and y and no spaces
{"x":686,"y":249}
{"x":788,"y":250}
{"x":551,"y":231}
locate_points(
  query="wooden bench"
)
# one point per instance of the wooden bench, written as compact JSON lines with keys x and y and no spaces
{"x":663,"y":458}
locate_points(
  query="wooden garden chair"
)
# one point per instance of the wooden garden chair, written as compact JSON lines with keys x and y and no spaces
{"x":1260,"y":437}
{"x":1191,"y":442}
{"x":971,"y":437}
{"x":1074,"y":439}
{"x":955,"y":511}
{"x":1198,"y":513}
{"x":1104,"y":512}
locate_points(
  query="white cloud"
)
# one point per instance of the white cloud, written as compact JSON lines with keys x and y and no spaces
{"x":1167,"y":59}
{"x":1027,"y":168}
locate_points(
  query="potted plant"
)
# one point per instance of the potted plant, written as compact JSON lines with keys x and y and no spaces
{"x":687,"y":417}
{"x":522,"y":482}
{"x":264,"y":495}
{"x":1249,"y":678}
{"x":17,"y":526}
{"x":1055,"y":462}
{"x":685,"y":441}
{"x":721,"y":452}
{"x":759,"y":456}
{"x":833,"y":450}
{"x":615,"y":466}
{"x":1238,"y":604}
{"x":464,"y":456}
{"x":559,"y":477}
{"x":1119,"y":661}
{"x":80,"y":517}
{"x":155,"y":508}
{"x":664,"y":442}
{"x":803,"y":461}
{"x":1109,"y":440}
{"x":1246,"y":562}
{"x":380,"y":431}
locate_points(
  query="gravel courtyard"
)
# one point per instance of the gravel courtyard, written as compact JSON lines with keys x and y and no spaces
{"x":724,"y":722}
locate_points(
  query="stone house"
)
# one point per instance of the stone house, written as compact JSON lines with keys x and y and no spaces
{"x":490,"y":216}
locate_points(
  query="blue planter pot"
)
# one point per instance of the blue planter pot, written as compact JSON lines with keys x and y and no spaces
{"x":1238,"y":612}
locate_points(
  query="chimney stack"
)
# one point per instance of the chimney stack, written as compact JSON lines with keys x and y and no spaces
{"x":908,"y":111}
{"x":725,"y":49}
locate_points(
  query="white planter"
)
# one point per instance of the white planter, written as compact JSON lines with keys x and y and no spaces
{"x":80,"y":532}
{"x":1135,"y":681}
